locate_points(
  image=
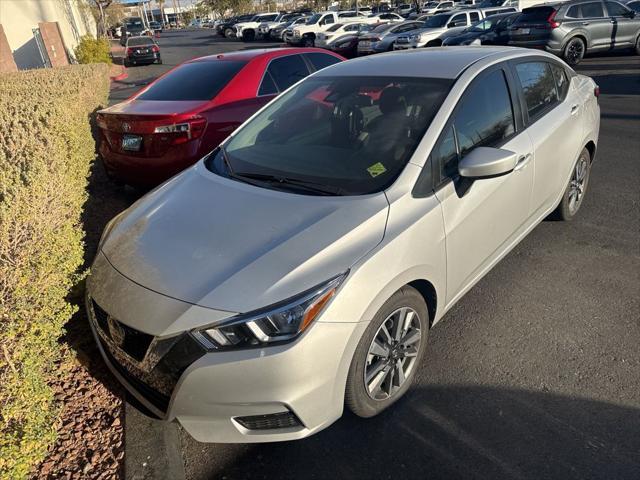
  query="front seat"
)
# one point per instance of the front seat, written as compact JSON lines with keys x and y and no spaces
{"x":387,"y":133}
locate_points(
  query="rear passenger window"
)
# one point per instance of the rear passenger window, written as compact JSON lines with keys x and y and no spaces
{"x":538,"y":86}
{"x":474,"y":16}
{"x":562,"y":82}
{"x":485,"y":117}
{"x":574,"y":12}
{"x":321,"y":60}
{"x":287,"y":70}
{"x":267,"y":87}
{"x":591,"y":10}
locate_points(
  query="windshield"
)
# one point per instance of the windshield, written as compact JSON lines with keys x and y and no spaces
{"x":437,"y":21}
{"x":431,"y":5}
{"x":485,"y":25}
{"x":313,"y":19}
{"x":335,"y":27}
{"x":348,"y":135}
{"x":134,"y":24}
{"x":193,"y":81}
{"x":384,"y":27}
{"x":139,"y":41}
{"x":491,"y":3}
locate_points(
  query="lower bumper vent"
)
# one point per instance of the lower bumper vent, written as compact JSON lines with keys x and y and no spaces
{"x":271,"y":421}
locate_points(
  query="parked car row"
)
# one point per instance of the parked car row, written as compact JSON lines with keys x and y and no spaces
{"x":569,"y":29}
{"x":299,"y":265}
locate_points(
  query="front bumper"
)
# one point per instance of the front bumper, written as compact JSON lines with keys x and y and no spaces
{"x":306,"y":377}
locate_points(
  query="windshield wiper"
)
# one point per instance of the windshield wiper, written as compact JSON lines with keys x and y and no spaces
{"x":259,"y":179}
{"x":275,"y":180}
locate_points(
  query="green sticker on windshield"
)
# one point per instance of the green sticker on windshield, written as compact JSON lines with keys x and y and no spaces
{"x":376,"y":169}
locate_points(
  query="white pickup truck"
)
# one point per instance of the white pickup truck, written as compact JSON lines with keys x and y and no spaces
{"x":248,"y":31}
{"x":436,"y":26}
{"x":305,"y":34}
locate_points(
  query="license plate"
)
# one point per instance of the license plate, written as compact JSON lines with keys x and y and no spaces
{"x":131,"y":143}
{"x":523,"y":31}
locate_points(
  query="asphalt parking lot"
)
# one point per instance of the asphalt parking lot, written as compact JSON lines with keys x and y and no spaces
{"x":535,"y":374}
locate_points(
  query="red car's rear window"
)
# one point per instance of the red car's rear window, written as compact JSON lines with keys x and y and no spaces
{"x":193,"y":81}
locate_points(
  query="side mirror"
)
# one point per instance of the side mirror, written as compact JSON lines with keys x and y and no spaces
{"x":484,"y":162}
{"x":631,"y":14}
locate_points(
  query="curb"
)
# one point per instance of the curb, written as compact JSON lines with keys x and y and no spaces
{"x":120,"y":77}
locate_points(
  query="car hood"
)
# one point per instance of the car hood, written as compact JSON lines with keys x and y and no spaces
{"x":222,"y":244}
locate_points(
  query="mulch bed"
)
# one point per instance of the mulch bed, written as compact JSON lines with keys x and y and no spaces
{"x":90,"y":441}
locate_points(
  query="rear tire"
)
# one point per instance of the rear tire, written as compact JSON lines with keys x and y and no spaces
{"x":308,"y":41}
{"x":228,"y":33}
{"x":576,"y":189}
{"x":248,"y":36}
{"x":574,"y":51}
{"x":375,"y":381}
{"x":637,"y":49}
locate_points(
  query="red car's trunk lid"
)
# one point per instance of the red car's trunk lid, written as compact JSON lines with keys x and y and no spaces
{"x":141,"y":118}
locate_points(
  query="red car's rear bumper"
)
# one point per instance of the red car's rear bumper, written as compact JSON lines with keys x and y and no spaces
{"x":139,"y":170}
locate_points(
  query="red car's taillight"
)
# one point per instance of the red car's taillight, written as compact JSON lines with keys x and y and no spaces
{"x":129,"y":51}
{"x":184,"y":131}
{"x":596,"y":91}
{"x":552,"y":20}
{"x":101,"y":121}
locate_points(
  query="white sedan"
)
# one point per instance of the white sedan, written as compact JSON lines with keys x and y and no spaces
{"x":298,"y":268}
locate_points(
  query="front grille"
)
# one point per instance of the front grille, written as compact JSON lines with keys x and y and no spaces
{"x":133,"y":342}
{"x":157,"y":399}
{"x":270,"y":421}
{"x":151,"y":365}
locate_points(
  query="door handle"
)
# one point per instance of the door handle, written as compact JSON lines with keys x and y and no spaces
{"x":523,"y":161}
{"x":574,"y":109}
{"x":585,"y":23}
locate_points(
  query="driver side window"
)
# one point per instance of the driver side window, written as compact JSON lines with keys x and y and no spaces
{"x":483,"y":118}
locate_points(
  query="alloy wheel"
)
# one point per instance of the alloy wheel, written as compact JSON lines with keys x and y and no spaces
{"x":578,"y":184}
{"x":575,"y":51}
{"x":392,"y":354}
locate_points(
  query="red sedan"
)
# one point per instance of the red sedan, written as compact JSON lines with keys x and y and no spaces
{"x":190,"y":110}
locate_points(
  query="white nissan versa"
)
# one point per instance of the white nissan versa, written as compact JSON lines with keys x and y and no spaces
{"x":299,"y":266}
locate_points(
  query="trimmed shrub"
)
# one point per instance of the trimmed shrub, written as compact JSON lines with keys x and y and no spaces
{"x":93,"y":50}
{"x":46,"y":152}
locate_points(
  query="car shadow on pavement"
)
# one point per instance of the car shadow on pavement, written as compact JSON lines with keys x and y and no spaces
{"x":443,"y":432}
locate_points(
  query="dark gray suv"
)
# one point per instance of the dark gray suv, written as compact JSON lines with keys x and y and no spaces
{"x":571,"y":29}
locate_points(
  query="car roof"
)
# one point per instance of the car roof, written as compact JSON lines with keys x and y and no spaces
{"x":446,"y":62}
{"x":248,"y":55}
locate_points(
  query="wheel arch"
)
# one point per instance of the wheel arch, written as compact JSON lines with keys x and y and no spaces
{"x":582,"y":36}
{"x":591,"y":148}
{"x":428,"y":292}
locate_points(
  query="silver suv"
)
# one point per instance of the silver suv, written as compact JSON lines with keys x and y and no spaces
{"x":571,"y":29}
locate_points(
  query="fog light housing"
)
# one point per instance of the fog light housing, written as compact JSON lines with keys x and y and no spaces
{"x":271,"y":421}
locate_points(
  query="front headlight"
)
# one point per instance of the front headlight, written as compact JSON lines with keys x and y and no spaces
{"x":278,"y":323}
{"x":415,"y":38}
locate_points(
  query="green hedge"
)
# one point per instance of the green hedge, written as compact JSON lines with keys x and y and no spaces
{"x":46,"y":152}
{"x":93,"y":50}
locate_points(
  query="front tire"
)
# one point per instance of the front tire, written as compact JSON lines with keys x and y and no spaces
{"x":388,"y":354}
{"x":248,"y":36}
{"x":574,"y":51}
{"x":576,"y":189}
{"x":637,"y":49}
{"x":228,"y":33}
{"x":308,"y":41}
